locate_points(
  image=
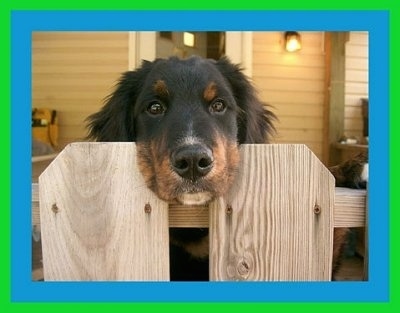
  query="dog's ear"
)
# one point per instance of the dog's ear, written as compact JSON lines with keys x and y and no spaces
{"x":115,"y":121}
{"x":255,"y":121}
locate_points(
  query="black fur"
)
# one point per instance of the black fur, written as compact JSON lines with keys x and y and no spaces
{"x":166,"y":101}
{"x":116,"y":120}
{"x":124,"y":118}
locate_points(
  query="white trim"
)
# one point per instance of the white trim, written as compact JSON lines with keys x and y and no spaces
{"x":239,"y":48}
{"x":142,"y":46}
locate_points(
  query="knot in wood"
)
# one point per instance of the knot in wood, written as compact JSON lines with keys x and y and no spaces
{"x":229,"y":209}
{"x":243,"y":268}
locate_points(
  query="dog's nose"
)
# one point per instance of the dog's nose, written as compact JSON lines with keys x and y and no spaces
{"x":192,"y":161}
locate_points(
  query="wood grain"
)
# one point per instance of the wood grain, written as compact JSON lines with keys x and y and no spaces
{"x":349,"y":210}
{"x":93,"y":222}
{"x":188,"y":216}
{"x":94,"y":226}
{"x":350,"y":207}
{"x":266,"y":228}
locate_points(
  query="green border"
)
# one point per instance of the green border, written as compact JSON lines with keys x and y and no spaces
{"x":198,"y":5}
{"x":5,"y":157}
{"x":7,"y":6}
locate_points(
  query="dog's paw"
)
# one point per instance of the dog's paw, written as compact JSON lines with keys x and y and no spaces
{"x":352,"y":173}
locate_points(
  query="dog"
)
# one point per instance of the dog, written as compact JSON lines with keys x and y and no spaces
{"x":188,"y":118}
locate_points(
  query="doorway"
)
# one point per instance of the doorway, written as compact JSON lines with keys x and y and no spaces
{"x":185,"y":44}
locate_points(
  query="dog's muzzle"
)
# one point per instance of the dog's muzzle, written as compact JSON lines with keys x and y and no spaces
{"x":192,"y":161}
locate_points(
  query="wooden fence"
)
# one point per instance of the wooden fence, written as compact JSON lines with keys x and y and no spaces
{"x":99,"y":221}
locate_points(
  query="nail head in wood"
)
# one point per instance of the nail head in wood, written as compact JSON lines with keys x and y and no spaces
{"x":55,"y":208}
{"x":317,"y":209}
{"x":147,"y":208}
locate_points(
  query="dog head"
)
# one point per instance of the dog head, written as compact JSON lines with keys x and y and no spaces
{"x":187,"y":118}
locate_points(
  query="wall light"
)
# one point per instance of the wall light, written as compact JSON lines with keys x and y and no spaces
{"x":188,"y":39}
{"x":292,"y":41}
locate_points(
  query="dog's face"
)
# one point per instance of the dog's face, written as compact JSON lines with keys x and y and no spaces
{"x":188,"y":118}
{"x":186,"y":131}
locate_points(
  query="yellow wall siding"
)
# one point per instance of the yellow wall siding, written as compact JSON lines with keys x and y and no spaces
{"x":293,"y":83}
{"x":73,"y":72}
{"x":356,"y":82}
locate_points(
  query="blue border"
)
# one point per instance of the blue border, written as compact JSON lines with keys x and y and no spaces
{"x":24,"y":22}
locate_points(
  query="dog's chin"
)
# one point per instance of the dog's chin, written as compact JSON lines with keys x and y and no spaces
{"x":195,"y":198}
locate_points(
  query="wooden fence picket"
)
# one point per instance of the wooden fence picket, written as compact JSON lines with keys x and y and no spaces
{"x":276,"y":224}
{"x":98,"y":219}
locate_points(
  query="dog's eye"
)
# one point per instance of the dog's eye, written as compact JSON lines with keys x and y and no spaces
{"x":217,"y":106}
{"x":156,"y":108}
